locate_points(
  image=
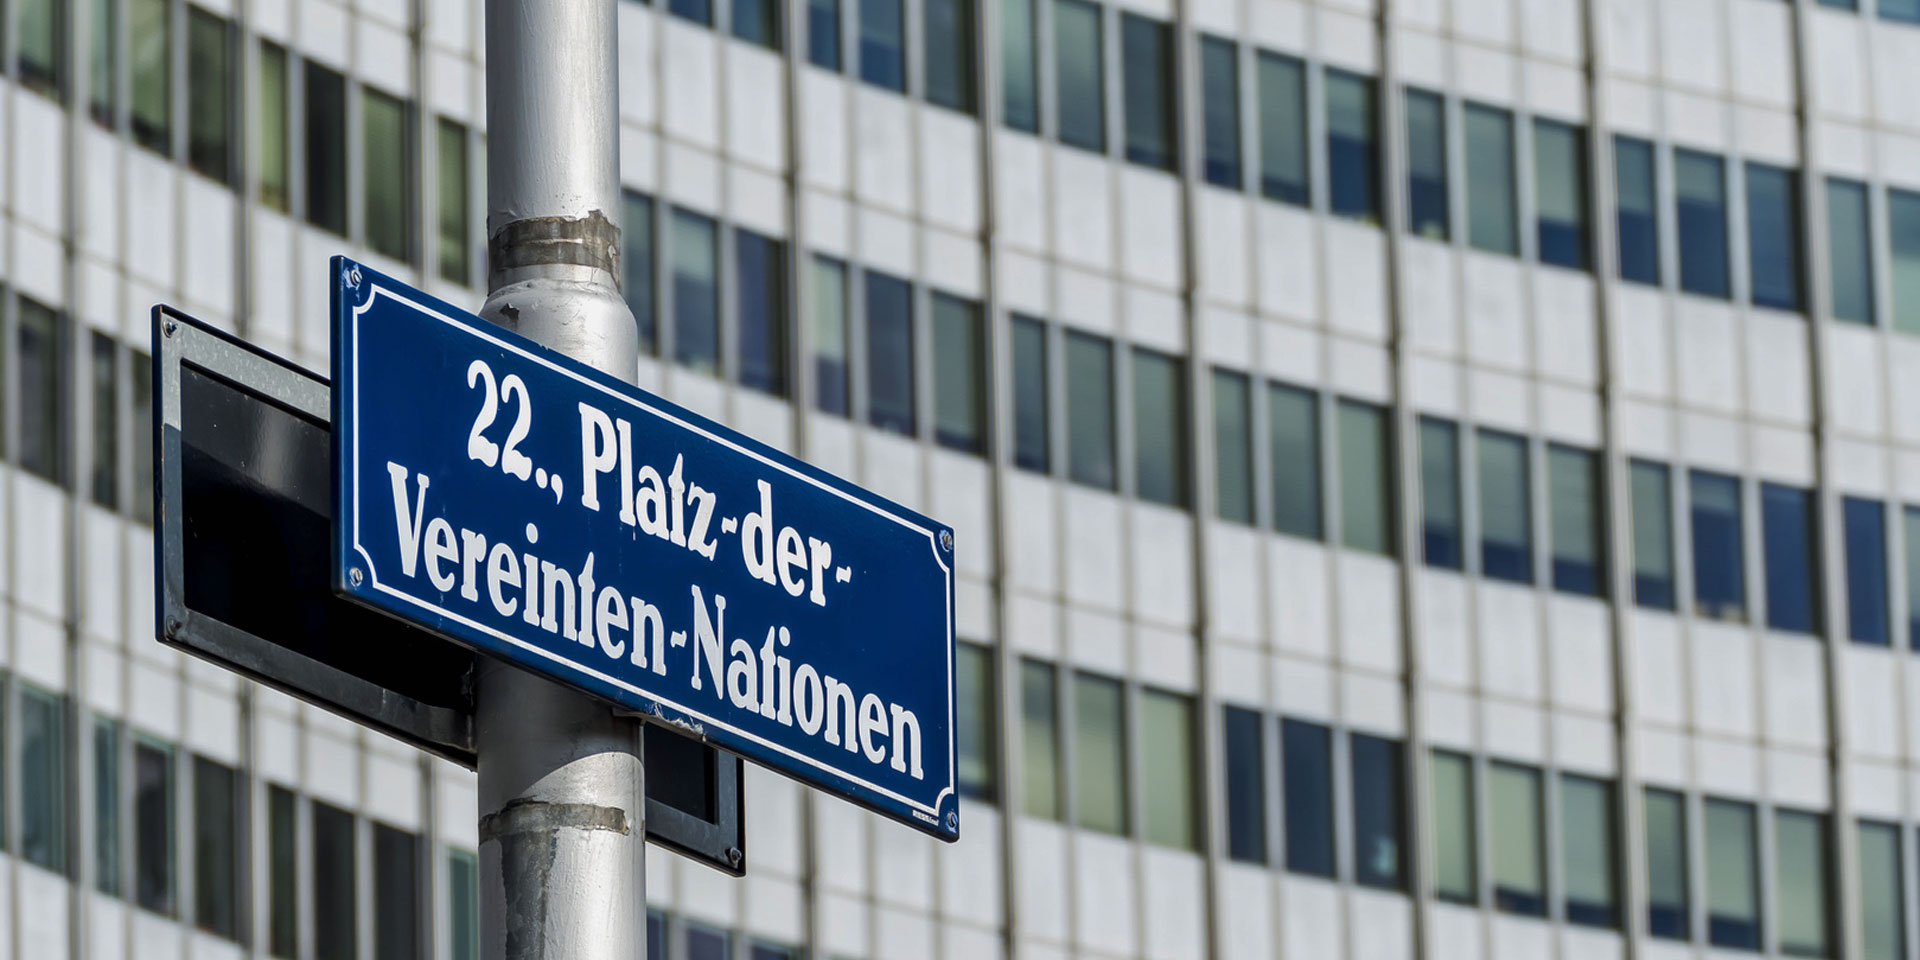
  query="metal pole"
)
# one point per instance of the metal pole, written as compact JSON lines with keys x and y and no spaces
{"x":562,"y":811}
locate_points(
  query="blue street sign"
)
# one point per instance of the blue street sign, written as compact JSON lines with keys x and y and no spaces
{"x":542,"y":512}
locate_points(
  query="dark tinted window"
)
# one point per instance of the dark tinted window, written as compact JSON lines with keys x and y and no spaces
{"x":1147,"y":82}
{"x":283,"y":895}
{"x":1733,"y":876}
{"x":1293,"y":428}
{"x":1506,"y":544}
{"x":699,"y":11}
{"x":1850,"y":250}
{"x":890,"y":353}
{"x":1719,"y":587}
{"x":1283,"y":129}
{"x":43,"y":779}
{"x":1306,"y":756}
{"x":823,"y":33}
{"x":1491,"y":205}
{"x":1427,"y":213}
{"x":1560,"y":193}
{"x":696,"y":293}
{"x":43,"y":390}
{"x":1030,"y":433}
{"x":960,"y":375}
{"x":975,"y":700}
{"x":1232,"y":447}
{"x":333,"y":882}
{"x":1078,"y":79}
{"x":1865,"y":523}
{"x":1220,"y":100}
{"x":209,"y":94}
{"x":757,"y":22}
{"x":215,"y":848}
{"x":108,"y":862}
{"x":882,"y":50}
{"x":1700,"y":188}
{"x":386,"y":211}
{"x":949,"y":36}
{"x":396,"y":894}
{"x":1666,"y":834}
{"x":1573,"y":487}
{"x":103,"y":475}
{"x":1090,"y":455}
{"x":636,"y":266}
{"x":1379,"y":827}
{"x":1638,"y":219}
{"x":153,"y":826}
{"x":1246,"y":785}
{"x":1159,"y":428}
{"x":1440,"y":493}
{"x":326,"y":145}
{"x":1353,"y":153}
{"x":1773,"y":236}
{"x":463,"y":910}
{"x":830,"y":348}
{"x":1019,"y":69}
{"x":762,"y":285}
{"x":1793,"y":592}
{"x":1652,"y":506}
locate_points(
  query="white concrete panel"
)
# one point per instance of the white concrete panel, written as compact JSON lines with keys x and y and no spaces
{"x":886,"y":241}
{"x":40,"y":546}
{"x":1903,"y":380}
{"x":384,"y":57}
{"x":892,"y":467}
{"x":823,"y":130}
{"x":1291,"y":353}
{"x":638,"y":60}
{"x":1096,"y":641}
{"x":902,"y":866}
{"x":1369,"y":611}
{"x":949,"y":169}
{"x":1430,"y":315}
{"x":39,"y":163}
{"x":1896,"y":73}
{"x":1496,"y":310}
{"x":1356,"y":278}
{"x":1373,"y":704}
{"x":901,"y":935}
{"x":1451,"y":721}
{"x":1436,"y":387}
{"x":960,"y":499}
{"x":1455,"y":933}
{"x":1710,"y":442}
{"x":1509,"y":634}
{"x":1442,"y":624}
{"x":970,"y":871}
{"x":271,"y":318}
{"x":1708,"y":353}
{"x":39,"y":651}
{"x":1360,"y":370}
{"x":1570,"y":415}
{"x":1298,"y":612}
{"x":1488,"y":76}
{"x":1647,"y":368}
{"x":1094,"y":557}
{"x":1763,"y":55}
{"x":1020,"y":192}
{"x":1174,"y":928}
{"x":1287,"y":243}
{"x":1630,"y":41}
{"x":1722,"y":670}
{"x":1693,"y":41}
{"x":773,"y":908}
{"x":1554,"y":28}
{"x":209,"y":271}
{"x":709,"y":895}
{"x":1381,"y":925}
{"x":1580,"y":653}
{"x":1154,"y":319}
{"x":1876,"y":790}
{"x":151,"y":202}
{"x":1247,"y":918}
{"x":1798,"y":778}
{"x":1584,"y":745}
{"x":1151,"y":227}
{"x":44,"y":901}
{"x":757,"y":200}
{"x":756,"y":106}
{"x":156,"y":937}
{"x":1311,"y":918}
{"x":101,"y":532}
{"x":1232,"y":584}
{"x":1839,"y":64}
{"x":331,"y":770}
{"x":157,"y":708}
{"x":1519,"y":938}
{"x":1490,"y":22}
{"x":842,"y":828}
{"x":1043,"y":880}
{"x":693,"y":106}
{"x":213,"y":725}
{"x":1162,"y":566}
{"x":1778,"y":373}
{"x":1223,"y":236}
{"x":1502,"y":400}
{"x":1027,"y":518}
{"x":1237,"y":675}
{"x":1086,"y":301}
{"x":1564,"y":328}
{"x":1795,"y":691}
{"x":1349,"y":40}
{"x":100,"y":202}
{"x":1659,"y":677}
{"x":1083,"y":217}
{"x":1854,"y":378}
{"x":1514,"y":732}
{"x":1225,"y":337}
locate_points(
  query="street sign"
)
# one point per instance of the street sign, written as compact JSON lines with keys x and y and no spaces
{"x":502,"y":494}
{"x":243,"y":493}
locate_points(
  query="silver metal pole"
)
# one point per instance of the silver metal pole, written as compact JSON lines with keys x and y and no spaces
{"x":562,"y":790}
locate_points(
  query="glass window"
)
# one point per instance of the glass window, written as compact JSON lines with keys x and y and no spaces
{"x":973,"y":734}
{"x":960,"y":378}
{"x":283,"y":894}
{"x":106,"y":806}
{"x":1146,"y":61}
{"x":656,"y":935}
{"x":1019,"y":70}
{"x":1560,"y":192}
{"x":1904,"y":10}
{"x":140,"y":369}
{"x":1246,"y":785}
{"x":757,"y":22}
{"x":1306,"y":762}
{"x":699,"y":11}
{"x":1719,"y":580}
{"x":104,"y":472}
{"x":1519,"y":840}
{"x":150,"y":36}
{"x":1090,"y":456}
{"x":1099,"y":754}
{"x":1882,"y":890}
{"x":333,"y":881}
{"x":1293,"y":428}
{"x":1903,"y":228}
{"x":1168,"y":774}
{"x":636,"y":266}
{"x":1850,"y":250}
{"x":1159,"y":428}
{"x":1366,"y":505}
{"x":270,"y":127}
{"x":1586,"y":842}
{"x":1491,"y":220}
{"x":1031,"y":440}
{"x":1773,"y":236}
{"x":1232,"y":446}
{"x":1440,"y":493}
{"x":1378,"y":823}
{"x":215,"y":848}
{"x":1800,"y":882}
{"x":704,"y":943}
{"x":696,"y":293}
{"x":388,"y":209}
{"x":210,"y":95}
{"x":1353,"y":153}
{"x":1455,"y":875}
{"x":43,"y":779}
{"x":153,"y":826}
{"x":1789,"y":538}
{"x":43,"y":390}
{"x":463,"y":910}
{"x":1866,"y":535}
{"x":326,"y":149}
{"x":831,"y":393}
{"x":1652,"y":535}
{"x":396,"y":905}
{"x":43,"y":43}
{"x":1579,"y":562}
{"x":1506,"y":544}
{"x":767,"y":951}
{"x":450,"y":150}
{"x":890,"y":353}
{"x":1910,"y":524}
{"x":823,"y":34}
{"x":1638,"y":218}
{"x":1427,"y":213}
{"x":1700,"y":188}
{"x":1283,"y":129}
{"x":1733,"y":886}
{"x":1078,"y":75}
{"x":761,"y":284}
{"x":1666,"y":821}
{"x":103,"y":61}
{"x":949,"y":38}
{"x":883,"y":59}
{"x":1220,"y":100}
{"x":1040,"y":740}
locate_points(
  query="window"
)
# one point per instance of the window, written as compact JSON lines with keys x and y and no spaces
{"x":1099,"y":754}
{"x":1733,"y":890}
{"x":1427,"y":213}
{"x":103,"y":61}
{"x":1078,"y":75}
{"x":767,"y":951}
{"x":153,"y":826}
{"x":832,"y":393}
{"x":1366,"y":506}
{"x":1560,"y":193}
{"x":141,"y":391}
{"x":1378,"y":824}
{"x":104,"y":472}
{"x":1090,"y":456}
{"x":1866,"y":535}
{"x":1440,"y":493}
{"x":43,"y":42}
{"x":949,"y":39}
{"x":388,"y":209}
{"x":210,"y":94}
{"x":215,"y":849}
{"x":396,"y":883}
{"x":1800,"y":882}
{"x":1283,"y":129}
{"x":1031,"y":439}
{"x":1220,"y":101}
{"x":1652,"y":535}
{"x":1910,"y":529}
{"x":1579,"y":562}
{"x":1903,"y":229}
{"x":283,"y":894}
{"x":1773,"y":236}
{"x":1159,"y":428}
{"x":699,"y":11}
{"x":960,"y":378}
{"x":107,"y":858}
{"x":973,"y":734}
{"x":43,"y":390}
{"x":43,"y":779}
{"x":761,"y":284}
{"x":1232,"y":447}
{"x":823,"y":34}
{"x":1519,"y":841}
{"x":890,"y":354}
{"x":1666,"y":824}
{"x":1586,"y":843}
{"x":1040,"y":740}
{"x":1146,"y":77}
{"x":1700,"y":188}
{"x":757,"y":22}
{"x":1882,"y":891}
{"x":1491,"y":218}
{"x":1306,"y":756}
{"x":1506,"y":546}
{"x":270,"y":127}
{"x":1850,"y":250}
{"x":696,"y":293}
{"x":450,"y":151}
{"x":883,"y":58}
{"x":1019,"y":70}
{"x":1793,"y":592}
{"x":1455,"y":875}
{"x":1168,"y":774}
{"x":1293,"y":433}
{"x":1903,"y":10}
{"x":656,"y":935}
{"x":1638,"y":218}
{"x":1719,"y":587}
{"x":1246,"y":785}
{"x":636,"y":266}
{"x":333,"y":881}
{"x":704,"y":943}
{"x":326,"y":147}
{"x":150,"y":38}
{"x":463,"y":910}
{"x":1353,"y":154}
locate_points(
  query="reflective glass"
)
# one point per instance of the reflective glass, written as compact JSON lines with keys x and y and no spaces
{"x":326,"y":148}
{"x":1773,"y":236}
{"x":1427,"y":213}
{"x":388,"y":208}
{"x":1099,"y":754}
{"x":1850,"y":250}
{"x":104,"y":376}
{"x":1246,"y":785}
{"x":637,"y":267}
{"x":1882,"y":891}
{"x":1902,"y":10}
{"x":1506,"y":542}
{"x":890,"y":354}
{"x":1573,"y":482}
{"x":333,"y":880}
{"x":1146,"y":58}
{"x":1090,"y":456}
{"x":1220,"y":101}
{"x":823,"y":34}
{"x":43,"y":779}
{"x":1638,"y":218}
{"x":43,"y":389}
{"x":1719,"y":583}
{"x":103,"y":61}
{"x":1293,"y":428}
{"x":1652,"y":504}
{"x":1903,"y":229}
{"x":1232,"y":447}
{"x":705,"y":943}
{"x":1379,"y":823}
{"x":1039,"y":740}
{"x":1455,"y":875}
{"x":699,"y":11}
{"x":760,"y":283}
{"x":150,"y":39}
{"x":1353,"y":152}
{"x":1789,"y":539}
{"x":140,"y":396}
{"x":974,"y":695}
{"x":1666,"y":824}
{"x":757,"y":22}
{"x":1519,"y":840}
{"x":271,"y":128}
{"x":1306,"y":763}
{"x":1865,"y":525}
{"x":1440,"y":493}
{"x":696,"y":293}
{"x":1031,"y":436}
{"x":1491,"y":219}
{"x":949,"y":41}
{"x":1586,"y":843}
{"x":1560,"y":193}
{"x":1366,"y":488}
{"x":883,"y":60}
{"x":153,"y":825}
{"x":1700,"y":189}
{"x":396,"y":906}
{"x":1733,"y":884}
{"x":1168,"y":775}
{"x":960,"y":377}
{"x":1019,"y":70}
{"x":215,"y":848}
{"x":1283,"y":129}
{"x":463,"y":910}
{"x":1077,"y":75}
{"x":1800,"y":882}
{"x":1910,"y":529}
{"x":450,"y":152}
{"x":831,"y":393}
{"x":210,"y":95}
{"x":42,"y":31}
{"x":1159,"y":428}
{"x":283,"y":895}
{"x":107,"y":858}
